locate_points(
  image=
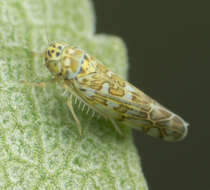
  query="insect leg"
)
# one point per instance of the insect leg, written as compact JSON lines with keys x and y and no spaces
{"x":116,"y":126}
{"x":69,"y":103}
{"x":36,"y":84}
{"x":39,"y":84}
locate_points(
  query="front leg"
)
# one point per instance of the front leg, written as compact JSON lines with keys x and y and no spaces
{"x":40,"y":84}
{"x":36,"y":84}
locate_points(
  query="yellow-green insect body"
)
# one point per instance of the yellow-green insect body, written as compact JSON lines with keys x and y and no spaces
{"x":109,"y":95}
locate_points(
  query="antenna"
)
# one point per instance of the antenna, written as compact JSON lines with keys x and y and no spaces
{"x":46,"y":32}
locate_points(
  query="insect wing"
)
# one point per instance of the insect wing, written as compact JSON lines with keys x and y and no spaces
{"x":118,"y":99}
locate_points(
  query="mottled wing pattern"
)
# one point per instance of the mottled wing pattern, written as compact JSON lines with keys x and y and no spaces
{"x":115,"y":98}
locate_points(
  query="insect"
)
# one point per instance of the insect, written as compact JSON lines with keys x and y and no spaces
{"x":107,"y":94}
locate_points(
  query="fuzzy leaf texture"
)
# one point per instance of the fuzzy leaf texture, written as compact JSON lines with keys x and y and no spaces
{"x":40,"y":146}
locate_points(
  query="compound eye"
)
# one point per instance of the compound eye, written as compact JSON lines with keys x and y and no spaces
{"x":49,"y":54}
{"x":57,"y":54}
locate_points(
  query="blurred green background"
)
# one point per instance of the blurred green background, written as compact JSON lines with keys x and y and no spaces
{"x":169,"y":55}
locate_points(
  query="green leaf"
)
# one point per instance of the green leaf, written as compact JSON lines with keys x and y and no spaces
{"x":39,"y":143}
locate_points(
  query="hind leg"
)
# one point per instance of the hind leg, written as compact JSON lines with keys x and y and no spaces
{"x":69,"y":103}
{"x":116,"y":127}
